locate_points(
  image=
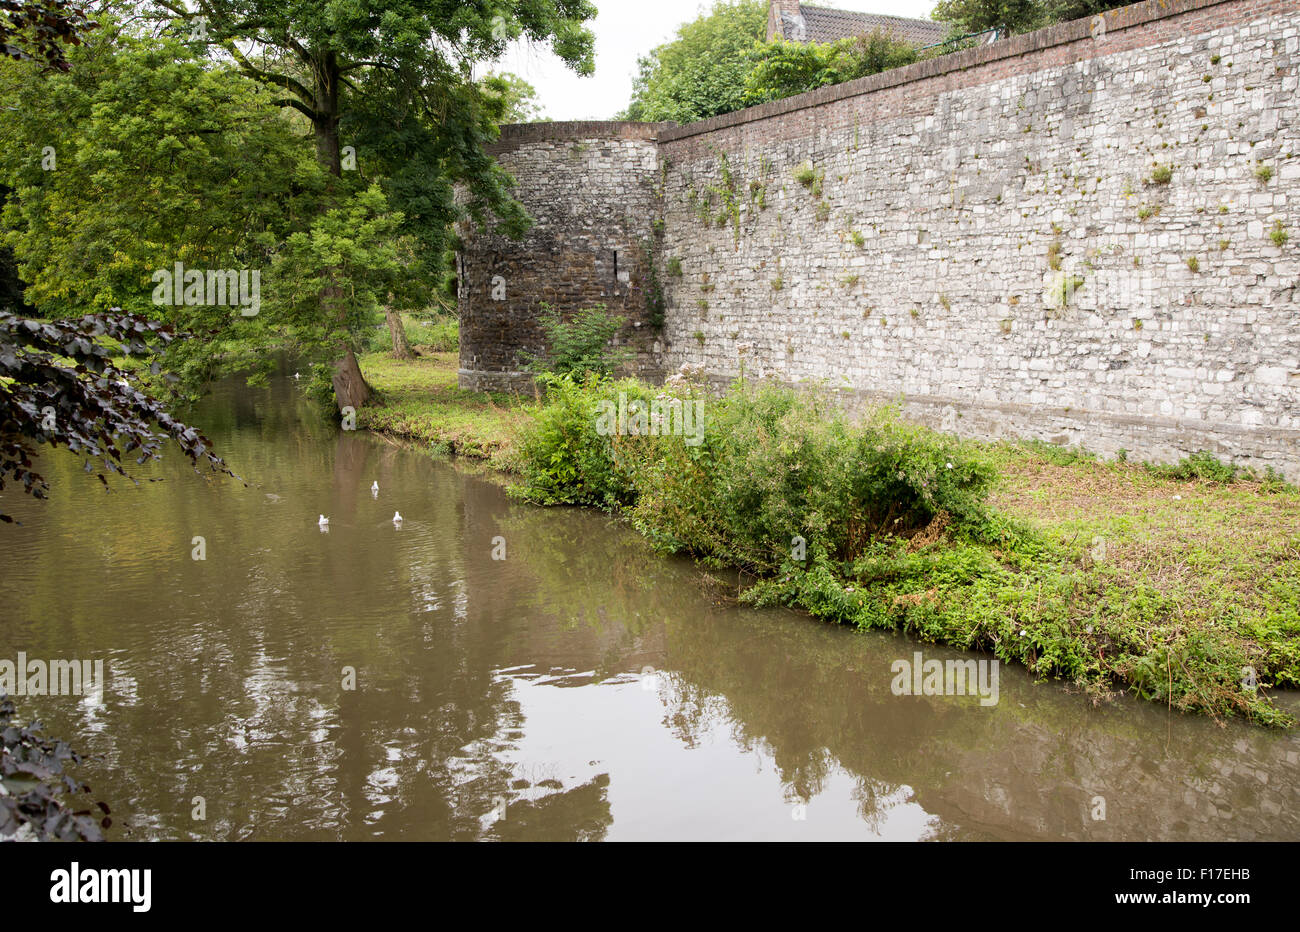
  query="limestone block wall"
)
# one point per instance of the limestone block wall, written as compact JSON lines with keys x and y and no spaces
{"x":1089,"y":234}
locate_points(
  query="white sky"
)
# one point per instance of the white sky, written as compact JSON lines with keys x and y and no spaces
{"x":625,"y":29}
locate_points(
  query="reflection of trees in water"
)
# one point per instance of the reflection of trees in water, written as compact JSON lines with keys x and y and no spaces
{"x":875,"y":800}
{"x":1027,"y":768}
{"x":580,"y":813}
{"x":690,"y":712}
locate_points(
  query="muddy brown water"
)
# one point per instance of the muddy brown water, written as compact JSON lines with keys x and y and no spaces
{"x":580,"y":688}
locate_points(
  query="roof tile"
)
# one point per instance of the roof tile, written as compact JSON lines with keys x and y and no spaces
{"x":823,"y":24}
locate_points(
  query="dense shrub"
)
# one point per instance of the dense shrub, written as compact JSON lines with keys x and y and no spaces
{"x":581,"y":345}
{"x":771,"y":464}
{"x":566,"y":460}
{"x":776,"y":464}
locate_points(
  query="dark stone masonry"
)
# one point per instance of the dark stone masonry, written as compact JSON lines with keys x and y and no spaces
{"x":1088,"y":234}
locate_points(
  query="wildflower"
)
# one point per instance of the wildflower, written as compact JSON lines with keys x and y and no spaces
{"x":948,"y":466}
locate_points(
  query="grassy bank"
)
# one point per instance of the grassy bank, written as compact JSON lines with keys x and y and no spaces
{"x":1105,"y":575}
{"x":419,"y":401}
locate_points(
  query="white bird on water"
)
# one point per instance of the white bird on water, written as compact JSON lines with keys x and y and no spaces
{"x":374,"y":486}
{"x":324,"y":521}
{"x":397,"y":518}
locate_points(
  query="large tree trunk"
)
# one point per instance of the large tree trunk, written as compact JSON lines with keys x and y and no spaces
{"x":350,"y":386}
{"x":401,"y":347}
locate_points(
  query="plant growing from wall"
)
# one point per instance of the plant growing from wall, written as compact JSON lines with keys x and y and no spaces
{"x":1063,"y":290}
{"x":1162,"y":174}
{"x":1278,"y":234}
{"x":726,"y":192}
{"x":655,"y":303}
{"x":580,"y":345}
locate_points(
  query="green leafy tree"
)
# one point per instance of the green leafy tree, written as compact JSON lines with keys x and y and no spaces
{"x":394,"y":76}
{"x":61,"y":385}
{"x":1007,"y":16}
{"x":137,"y":174}
{"x":1062,"y":11}
{"x":701,"y":72}
{"x":357,"y":244}
{"x":783,"y":69}
{"x":518,"y":98}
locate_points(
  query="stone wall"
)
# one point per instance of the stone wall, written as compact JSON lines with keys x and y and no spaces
{"x":1066,"y":235}
{"x":591,"y":190}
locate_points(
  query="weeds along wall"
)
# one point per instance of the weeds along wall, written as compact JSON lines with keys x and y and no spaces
{"x":1088,"y":234}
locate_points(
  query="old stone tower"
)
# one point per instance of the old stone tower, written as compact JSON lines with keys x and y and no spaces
{"x":592,"y":191}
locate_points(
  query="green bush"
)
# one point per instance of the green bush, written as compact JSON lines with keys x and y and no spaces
{"x":566,"y":460}
{"x":775,"y":464}
{"x":579,"y":346}
{"x":770,"y":464}
{"x":1200,"y":465}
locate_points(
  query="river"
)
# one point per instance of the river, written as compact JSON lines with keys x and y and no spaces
{"x":377,"y":682}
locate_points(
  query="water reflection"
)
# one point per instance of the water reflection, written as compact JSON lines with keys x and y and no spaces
{"x":580,"y":688}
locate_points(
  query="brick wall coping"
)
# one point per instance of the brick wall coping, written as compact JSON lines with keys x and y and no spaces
{"x":514,"y":135}
{"x":1116,"y":20}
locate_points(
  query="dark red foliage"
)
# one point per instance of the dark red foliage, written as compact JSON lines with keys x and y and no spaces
{"x":37,"y":29}
{"x":32,"y":774}
{"x":59,"y":386}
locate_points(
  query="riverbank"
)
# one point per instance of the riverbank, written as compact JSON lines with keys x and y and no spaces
{"x":420,"y":402}
{"x":1166,"y":582}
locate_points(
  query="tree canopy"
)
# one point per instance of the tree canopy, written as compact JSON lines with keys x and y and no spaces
{"x":701,"y":72}
{"x":1016,"y":16}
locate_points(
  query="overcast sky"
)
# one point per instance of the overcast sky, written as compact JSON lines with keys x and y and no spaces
{"x":624,"y":30}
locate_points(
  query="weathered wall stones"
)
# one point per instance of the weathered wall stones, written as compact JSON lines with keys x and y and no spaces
{"x":591,"y":189}
{"x":1086,"y":234}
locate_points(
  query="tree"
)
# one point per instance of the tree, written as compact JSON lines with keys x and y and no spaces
{"x":90,"y":406}
{"x":348,"y":66}
{"x":136,"y":176}
{"x":783,"y":69}
{"x":37,"y":30}
{"x":518,"y":97}
{"x":1062,"y":11}
{"x":356,"y":244}
{"x":1007,"y":16}
{"x":34,"y":776}
{"x":702,"y":72}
